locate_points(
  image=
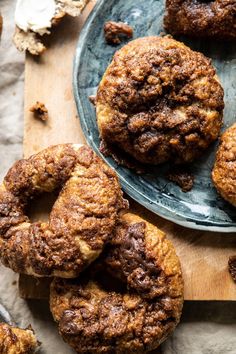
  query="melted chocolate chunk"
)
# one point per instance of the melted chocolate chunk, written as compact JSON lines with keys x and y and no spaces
{"x":67,"y":324}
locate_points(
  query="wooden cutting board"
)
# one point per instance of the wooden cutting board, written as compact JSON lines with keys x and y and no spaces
{"x":48,"y":79}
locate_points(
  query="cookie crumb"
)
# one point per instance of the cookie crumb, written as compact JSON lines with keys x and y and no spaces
{"x":93,"y":99}
{"x":121,"y":158}
{"x":180,"y":176}
{"x":232,"y":267}
{"x":115,"y":31}
{"x":14,"y":282}
{"x":40,"y":111}
{"x":162,"y":34}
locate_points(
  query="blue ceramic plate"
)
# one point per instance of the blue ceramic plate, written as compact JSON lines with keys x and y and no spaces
{"x":201,"y":208}
{"x":5,"y":317}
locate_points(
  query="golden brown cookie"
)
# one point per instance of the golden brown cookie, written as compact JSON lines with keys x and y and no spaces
{"x":17,"y":341}
{"x":127,"y":302}
{"x":224,"y":171}
{"x":201,"y":18}
{"x":81,"y":219}
{"x":159,"y":101}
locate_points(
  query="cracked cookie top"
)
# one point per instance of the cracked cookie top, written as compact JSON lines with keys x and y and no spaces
{"x":81,"y":219}
{"x":129,"y":300}
{"x":159,"y":101}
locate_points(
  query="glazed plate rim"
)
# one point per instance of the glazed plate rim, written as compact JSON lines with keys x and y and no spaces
{"x":139,"y":197}
{"x":5,"y":316}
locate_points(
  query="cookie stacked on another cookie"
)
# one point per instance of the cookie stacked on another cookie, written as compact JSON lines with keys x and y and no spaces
{"x":125,"y":291}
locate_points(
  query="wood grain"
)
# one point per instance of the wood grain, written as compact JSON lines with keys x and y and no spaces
{"x":204,"y":256}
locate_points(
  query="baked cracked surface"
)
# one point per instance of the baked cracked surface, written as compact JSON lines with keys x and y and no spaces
{"x":17,"y":341}
{"x":224,"y":171}
{"x":159,"y":101}
{"x":129,"y":300}
{"x":201,"y":18}
{"x":80,"y":221}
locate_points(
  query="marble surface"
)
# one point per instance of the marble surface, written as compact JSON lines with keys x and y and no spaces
{"x":201,"y":208}
{"x":206,"y":327}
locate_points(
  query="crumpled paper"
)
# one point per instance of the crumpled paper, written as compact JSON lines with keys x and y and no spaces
{"x":206,"y":327}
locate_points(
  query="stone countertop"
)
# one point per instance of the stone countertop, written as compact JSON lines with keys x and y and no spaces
{"x":206,"y":327}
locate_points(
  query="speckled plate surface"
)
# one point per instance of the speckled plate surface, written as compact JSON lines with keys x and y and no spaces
{"x":201,"y":208}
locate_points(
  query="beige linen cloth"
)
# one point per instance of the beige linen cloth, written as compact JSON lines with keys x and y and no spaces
{"x":206,"y":328}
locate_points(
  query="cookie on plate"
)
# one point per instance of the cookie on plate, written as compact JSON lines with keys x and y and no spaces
{"x":159,"y":101}
{"x":224,"y":171}
{"x":198,"y":18}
